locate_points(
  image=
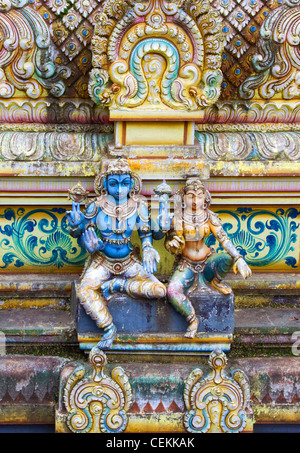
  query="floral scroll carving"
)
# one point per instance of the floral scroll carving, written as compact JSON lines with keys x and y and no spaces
{"x":157,"y":55}
{"x":96,"y":402}
{"x":235,"y":145}
{"x":278,"y":59}
{"x":217,"y":403}
{"x":25,"y":60}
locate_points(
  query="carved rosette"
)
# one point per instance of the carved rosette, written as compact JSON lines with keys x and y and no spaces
{"x":95,"y":402}
{"x":217,"y":403}
{"x":157,"y":55}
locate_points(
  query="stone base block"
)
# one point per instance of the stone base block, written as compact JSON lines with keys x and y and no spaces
{"x":154,"y":325}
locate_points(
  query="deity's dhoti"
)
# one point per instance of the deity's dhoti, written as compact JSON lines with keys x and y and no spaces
{"x":136,"y":283}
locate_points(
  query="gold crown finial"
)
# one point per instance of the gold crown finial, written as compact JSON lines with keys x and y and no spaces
{"x":78,"y":193}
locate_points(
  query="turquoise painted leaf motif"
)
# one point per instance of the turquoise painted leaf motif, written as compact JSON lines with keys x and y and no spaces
{"x":58,"y":239}
{"x":9,"y":214}
{"x":246,"y":244}
{"x":273,"y":225}
{"x":210,"y":240}
{"x":46,"y":226}
{"x":31,"y":243}
{"x":294,"y":226}
{"x":25,"y":246}
{"x":8,"y":258}
{"x":243,"y":209}
{"x":59,"y":210}
{"x":246,"y":229}
{"x":7,"y":230}
{"x":293,"y":213}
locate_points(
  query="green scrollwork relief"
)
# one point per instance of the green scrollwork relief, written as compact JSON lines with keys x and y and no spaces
{"x":37,"y":239}
{"x":265,"y":238}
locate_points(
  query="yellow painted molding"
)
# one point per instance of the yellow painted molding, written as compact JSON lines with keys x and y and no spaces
{"x":155,"y":115}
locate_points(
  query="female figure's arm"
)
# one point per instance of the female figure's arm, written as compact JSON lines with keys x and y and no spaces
{"x":239,"y":264}
{"x":175,"y":241}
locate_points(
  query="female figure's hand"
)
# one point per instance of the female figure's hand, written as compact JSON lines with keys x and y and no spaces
{"x":176,"y":242}
{"x":242,"y":267}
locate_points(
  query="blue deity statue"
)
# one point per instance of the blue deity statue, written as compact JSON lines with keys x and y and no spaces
{"x":105,"y":231}
{"x":197,"y":266}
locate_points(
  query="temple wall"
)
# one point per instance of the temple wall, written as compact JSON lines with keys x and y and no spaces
{"x":52,"y":135}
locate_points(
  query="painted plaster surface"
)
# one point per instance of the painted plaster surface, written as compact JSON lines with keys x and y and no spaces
{"x":34,"y":239}
{"x":62,"y":69}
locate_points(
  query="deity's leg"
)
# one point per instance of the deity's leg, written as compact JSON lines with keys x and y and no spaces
{"x":94,"y":303}
{"x":140,"y":283}
{"x":179,"y":284}
{"x":216,"y":269}
{"x":136,"y":282}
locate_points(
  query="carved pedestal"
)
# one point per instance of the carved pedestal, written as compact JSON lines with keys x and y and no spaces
{"x":146,"y":325}
{"x":217,"y":403}
{"x":90,"y":401}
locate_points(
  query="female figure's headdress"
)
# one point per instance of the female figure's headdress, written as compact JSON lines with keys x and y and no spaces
{"x":193,"y":182}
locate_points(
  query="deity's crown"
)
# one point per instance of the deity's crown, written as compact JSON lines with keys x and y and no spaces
{"x":118,"y":167}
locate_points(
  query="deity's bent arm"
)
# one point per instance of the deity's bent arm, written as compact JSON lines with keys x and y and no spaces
{"x":88,"y":220}
{"x":89,"y":217}
{"x":150,"y":255}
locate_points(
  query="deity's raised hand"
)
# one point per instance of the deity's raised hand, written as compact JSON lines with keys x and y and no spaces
{"x":75,"y":217}
{"x":164,"y":221}
{"x":90,"y":240}
{"x":242,"y":267}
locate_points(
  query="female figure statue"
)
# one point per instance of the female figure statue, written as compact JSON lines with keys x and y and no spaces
{"x":197,"y":264}
{"x":112,"y":266}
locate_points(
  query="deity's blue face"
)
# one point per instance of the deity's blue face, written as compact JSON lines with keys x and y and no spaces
{"x":119,"y":186}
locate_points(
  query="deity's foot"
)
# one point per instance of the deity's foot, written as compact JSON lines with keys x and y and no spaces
{"x":108,"y":337}
{"x":221,"y":286}
{"x":192,"y":329}
{"x":111,"y":287}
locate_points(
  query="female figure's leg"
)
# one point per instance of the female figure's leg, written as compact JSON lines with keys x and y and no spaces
{"x":216,"y":269}
{"x":177,"y":289}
